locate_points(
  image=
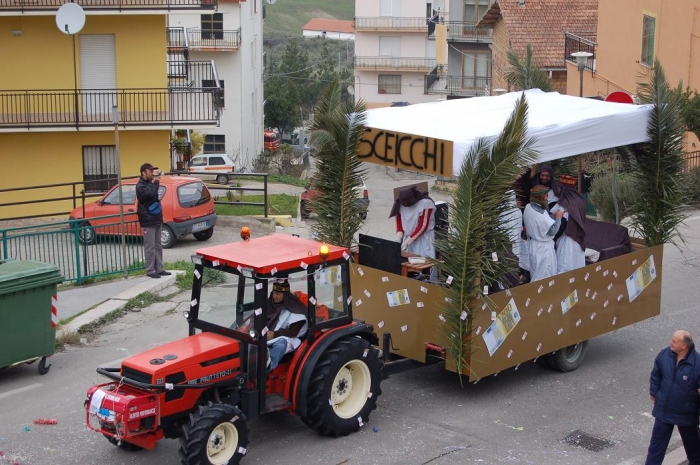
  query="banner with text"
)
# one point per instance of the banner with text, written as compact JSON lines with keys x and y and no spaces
{"x":406,"y":151}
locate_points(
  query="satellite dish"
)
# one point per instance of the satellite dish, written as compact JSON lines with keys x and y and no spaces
{"x":70,"y":18}
{"x":438,"y":5}
{"x":351,"y":90}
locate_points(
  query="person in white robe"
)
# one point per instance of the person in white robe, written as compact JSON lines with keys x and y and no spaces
{"x":570,"y":255}
{"x":286,"y":323}
{"x":415,"y":222}
{"x":541,"y":228}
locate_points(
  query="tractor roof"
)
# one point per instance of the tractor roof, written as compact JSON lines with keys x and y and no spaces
{"x":262,"y":254}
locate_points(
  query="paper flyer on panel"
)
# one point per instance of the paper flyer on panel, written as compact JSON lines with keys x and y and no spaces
{"x":641,"y":278}
{"x":501,"y":327}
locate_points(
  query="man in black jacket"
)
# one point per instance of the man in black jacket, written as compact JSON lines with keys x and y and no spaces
{"x":150,"y":215}
{"x":673,"y":388}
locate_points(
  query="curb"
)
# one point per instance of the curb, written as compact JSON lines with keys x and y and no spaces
{"x":118,"y":302}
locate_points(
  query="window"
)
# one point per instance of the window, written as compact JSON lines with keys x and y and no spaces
{"x":193,"y":194}
{"x":390,"y":46}
{"x":198,"y":161}
{"x":213,"y":26}
{"x":389,"y":84}
{"x":648,"y":30}
{"x":474,"y":10}
{"x":216,"y":161}
{"x":128,"y":194}
{"x":215,"y":143}
{"x":99,"y":164}
{"x":211,"y":84}
{"x":475,"y":71}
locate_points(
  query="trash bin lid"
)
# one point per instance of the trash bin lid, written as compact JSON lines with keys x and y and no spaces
{"x":27,"y":274}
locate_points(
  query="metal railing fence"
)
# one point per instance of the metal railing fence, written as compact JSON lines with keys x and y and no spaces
{"x":80,"y":251}
{"x":582,"y":42}
{"x":119,"y":5}
{"x":369,"y":23}
{"x":93,"y":108}
{"x":394,"y":62}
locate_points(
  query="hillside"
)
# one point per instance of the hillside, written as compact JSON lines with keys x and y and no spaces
{"x":287,"y":17}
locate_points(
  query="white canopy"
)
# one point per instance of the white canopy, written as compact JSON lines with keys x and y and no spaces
{"x":562,"y":125}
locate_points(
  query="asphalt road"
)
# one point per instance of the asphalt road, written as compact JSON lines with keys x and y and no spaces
{"x":424,"y":416}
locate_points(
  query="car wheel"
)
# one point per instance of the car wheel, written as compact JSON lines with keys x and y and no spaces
{"x":204,"y":235}
{"x":222,"y":179}
{"x":167,"y":237}
{"x":86,"y":234}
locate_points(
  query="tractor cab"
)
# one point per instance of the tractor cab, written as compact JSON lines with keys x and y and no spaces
{"x":318,"y":278}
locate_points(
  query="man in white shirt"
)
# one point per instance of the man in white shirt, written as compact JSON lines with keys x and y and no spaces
{"x":286,"y":323}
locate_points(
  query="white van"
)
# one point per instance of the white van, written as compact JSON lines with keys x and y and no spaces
{"x":217,"y":163}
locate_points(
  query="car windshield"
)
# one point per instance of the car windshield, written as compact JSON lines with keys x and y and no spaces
{"x":198,"y":161}
{"x":193,"y":194}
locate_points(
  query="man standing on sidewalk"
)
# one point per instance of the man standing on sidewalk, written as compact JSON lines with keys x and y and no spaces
{"x":673,"y":388}
{"x":151,"y":219}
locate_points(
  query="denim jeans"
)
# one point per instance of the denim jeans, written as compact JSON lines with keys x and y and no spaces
{"x":277,"y":351}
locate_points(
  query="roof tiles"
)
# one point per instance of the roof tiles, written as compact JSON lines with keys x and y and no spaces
{"x":542,"y":24}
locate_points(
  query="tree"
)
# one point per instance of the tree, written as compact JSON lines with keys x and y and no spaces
{"x":285,"y":88}
{"x":526,"y":75}
{"x":690,"y":109}
{"x":479,"y":214}
{"x":336,"y":132}
{"x":658,"y":209}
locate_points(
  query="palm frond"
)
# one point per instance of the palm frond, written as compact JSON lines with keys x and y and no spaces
{"x":526,"y":74}
{"x":335,"y":133}
{"x":478,"y":227}
{"x":658,"y":211}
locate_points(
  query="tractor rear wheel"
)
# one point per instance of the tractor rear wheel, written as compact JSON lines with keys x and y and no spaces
{"x":217,"y":434}
{"x":344,"y":388}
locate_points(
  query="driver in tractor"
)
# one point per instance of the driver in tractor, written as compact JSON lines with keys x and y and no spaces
{"x":286,"y":323}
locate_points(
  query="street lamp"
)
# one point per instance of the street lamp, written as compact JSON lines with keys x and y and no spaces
{"x":581,"y":61}
{"x":115,"y":121}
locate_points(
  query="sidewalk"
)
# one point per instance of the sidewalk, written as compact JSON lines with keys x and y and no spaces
{"x":104,"y":298}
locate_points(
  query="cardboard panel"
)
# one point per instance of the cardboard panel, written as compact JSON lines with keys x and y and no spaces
{"x":609,"y":295}
{"x":411,"y":324}
{"x":421,"y":186}
{"x":406,"y":151}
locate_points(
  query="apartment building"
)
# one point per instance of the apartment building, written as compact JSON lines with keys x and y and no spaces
{"x":60,"y":94}
{"x":468,"y":69}
{"x":630,"y":35}
{"x":231,"y":38}
{"x":393,"y":52}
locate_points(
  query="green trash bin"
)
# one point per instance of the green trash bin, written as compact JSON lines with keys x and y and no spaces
{"x":27,"y":322}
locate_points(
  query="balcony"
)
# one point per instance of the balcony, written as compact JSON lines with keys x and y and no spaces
{"x":39,"y":7}
{"x":460,"y":31}
{"x":193,"y":98}
{"x":394,"y":63}
{"x":580,"y":42}
{"x":457,"y":86}
{"x":388,"y":23}
{"x":181,"y":40}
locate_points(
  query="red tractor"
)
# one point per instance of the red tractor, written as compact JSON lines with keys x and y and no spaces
{"x":205,"y":388}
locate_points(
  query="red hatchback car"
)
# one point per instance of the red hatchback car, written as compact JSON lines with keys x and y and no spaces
{"x":188,"y":208}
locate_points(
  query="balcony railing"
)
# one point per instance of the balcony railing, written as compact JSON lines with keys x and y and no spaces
{"x":192,"y":73}
{"x":388,"y":23}
{"x":394,"y":63}
{"x":193,"y":97}
{"x":181,"y":40}
{"x":214,"y":40}
{"x":460,"y":31}
{"x":580,"y":42}
{"x":93,"y":108}
{"x":27,"y":6}
{"x":462,"y":86}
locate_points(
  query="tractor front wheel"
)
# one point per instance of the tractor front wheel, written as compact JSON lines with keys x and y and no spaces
{"x":217,"y":434}
{"x":345,"y":385}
